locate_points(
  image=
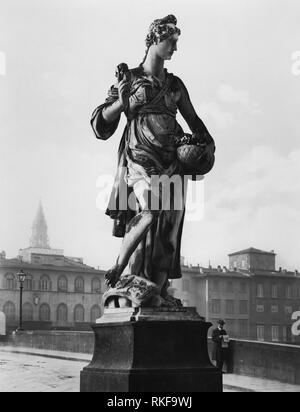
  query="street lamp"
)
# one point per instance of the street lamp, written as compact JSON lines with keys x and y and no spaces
{"x":21,"y":277}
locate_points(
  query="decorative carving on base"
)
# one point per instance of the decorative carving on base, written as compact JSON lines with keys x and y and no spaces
{"x":135,"y":291}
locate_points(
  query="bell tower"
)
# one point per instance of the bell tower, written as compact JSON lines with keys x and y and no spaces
{"x":39,"y":237}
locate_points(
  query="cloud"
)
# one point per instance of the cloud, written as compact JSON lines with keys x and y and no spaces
{"x":228,"y":94}
{"x":263,"y":176}
{"x":220,"y":118}
{"x":230,"y":106}
{"x":255,"y":203}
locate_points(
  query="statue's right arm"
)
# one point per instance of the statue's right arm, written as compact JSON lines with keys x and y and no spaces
{"x":106,"y":117}
{"x":112,"y":112}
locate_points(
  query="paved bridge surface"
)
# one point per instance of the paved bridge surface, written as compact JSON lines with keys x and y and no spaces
{"x":36,"y":370}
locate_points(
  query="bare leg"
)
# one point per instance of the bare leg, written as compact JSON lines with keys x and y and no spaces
{"x":137,"y":228}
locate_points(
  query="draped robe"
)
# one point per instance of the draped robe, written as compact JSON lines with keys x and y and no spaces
{"x":147,"y":147}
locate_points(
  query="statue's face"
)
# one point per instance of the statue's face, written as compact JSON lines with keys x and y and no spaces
{"x":167,"y":47}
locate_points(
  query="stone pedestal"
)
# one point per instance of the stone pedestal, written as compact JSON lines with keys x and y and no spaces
{"x":154,"y":351}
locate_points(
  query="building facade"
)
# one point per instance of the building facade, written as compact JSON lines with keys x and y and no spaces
{"x":217,"y":293}
{"x":256,"y":300}
{"x":60,"y":292}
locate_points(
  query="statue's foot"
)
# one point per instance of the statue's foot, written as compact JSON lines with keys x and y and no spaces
{"x":112,"y":276}
{"x":170,"y":301}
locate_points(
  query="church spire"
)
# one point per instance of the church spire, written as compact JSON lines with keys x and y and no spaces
{"x":39,"y":237}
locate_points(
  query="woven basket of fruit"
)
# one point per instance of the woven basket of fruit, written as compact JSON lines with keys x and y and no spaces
{"x":193,"y":157}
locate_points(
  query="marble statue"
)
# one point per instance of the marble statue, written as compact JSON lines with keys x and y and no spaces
{"x":153,"y":145}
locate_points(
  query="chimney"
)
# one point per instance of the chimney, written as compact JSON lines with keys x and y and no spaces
{"x":280,"y":269}
{"x":3,"y":255}
{"x":296,"y":272}
{"x":219,"y":268}
{"x":225,"y":270}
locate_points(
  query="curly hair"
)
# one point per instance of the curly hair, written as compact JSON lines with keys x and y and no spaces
{"x":159,"y":30}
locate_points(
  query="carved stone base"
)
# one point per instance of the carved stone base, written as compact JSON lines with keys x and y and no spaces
{"x":148,"y":314}
{"x":151,"y":354}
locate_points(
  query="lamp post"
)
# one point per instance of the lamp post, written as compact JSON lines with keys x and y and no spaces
{"x":21,"y":277}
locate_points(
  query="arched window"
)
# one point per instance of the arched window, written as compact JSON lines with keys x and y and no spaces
{"x":62,"y":284}
{"x":79,"y":285}
{"x":95,"y":313}
{"x":62,"y":313}
{"x":27,"y":312}
{"x":96,"y":285}
{"x":10,"y":281}
{"x":10,"y":311}
{"x":28,"y":282}
{"x":45,"y":283}
{"x":45,"y":313}
{"x":79,"y":313}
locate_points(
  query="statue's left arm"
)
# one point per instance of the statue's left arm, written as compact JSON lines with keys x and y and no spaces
{"x":189,"y":114}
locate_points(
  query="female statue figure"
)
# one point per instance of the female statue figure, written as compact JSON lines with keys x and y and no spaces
{"x":149,"y":96}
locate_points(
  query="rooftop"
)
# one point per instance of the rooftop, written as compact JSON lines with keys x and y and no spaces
{"x":201,"y":272}
{"x":252,"y":250}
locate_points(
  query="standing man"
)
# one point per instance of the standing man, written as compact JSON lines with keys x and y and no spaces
{"x":220,"y":344}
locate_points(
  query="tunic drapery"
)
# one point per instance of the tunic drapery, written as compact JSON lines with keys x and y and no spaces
{"x":148,"y":147}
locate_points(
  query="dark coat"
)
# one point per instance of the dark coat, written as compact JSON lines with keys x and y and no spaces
{"x":218,"y":353}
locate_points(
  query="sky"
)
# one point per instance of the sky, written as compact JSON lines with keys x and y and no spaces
{"x":237,"y":59}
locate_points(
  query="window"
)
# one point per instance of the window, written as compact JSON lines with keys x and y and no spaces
{"x":243,"y":307}
{"x":10,"y":311}
{"x":229,"y":287}
{"x":215,"y":285}
{"x":95,"y":313}
{"x":288,"y":310}
{"x":230,"y":326}
{"x":79,"y":313}
{"x":274,"y":291}
{"x":10,"y":281}
{"x":284,"y":333}
{"x":260,"y":291}
{"x":229,"y":307}
{"x":27,"y":312}
{"x":243,"y":287}
{"x":260,"y":332}
{"x":45,"y":313}
{"x":215,"y":306}
{"x":185,"y":285}
{"x":289,"y":292}
{"x":62,"y":284}
{"x":274,"y":308}
{"x":62,"y":313}
{"x":96,"y":285}
{"x":260,"y":308}
{"x":79,"y":285}
{"x":275,"y":333}
{"x":28,"y":283}
{"x":243,"y":328}
{"x":45,"y":284}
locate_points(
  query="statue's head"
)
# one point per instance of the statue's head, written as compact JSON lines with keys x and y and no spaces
{"x":162,"y":36}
